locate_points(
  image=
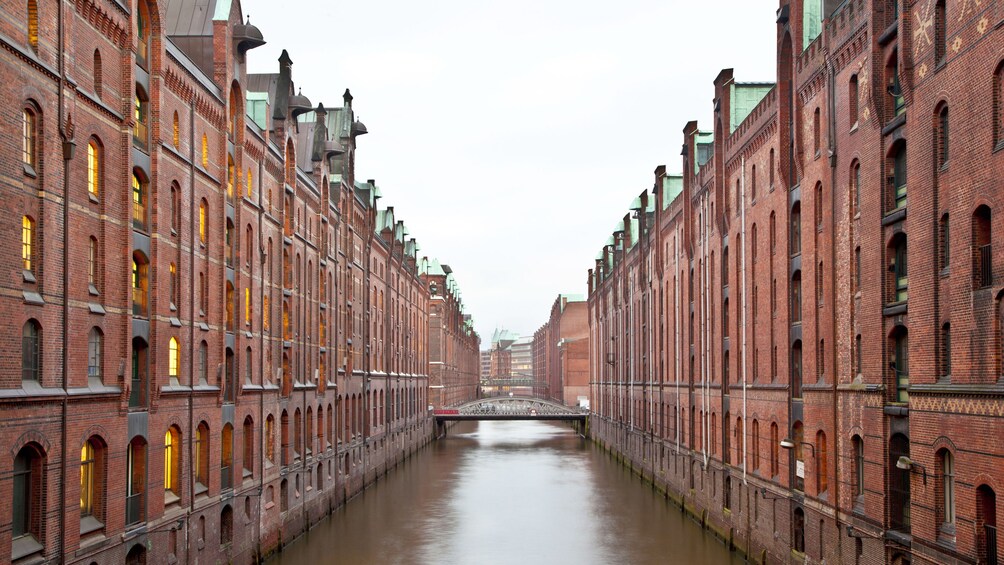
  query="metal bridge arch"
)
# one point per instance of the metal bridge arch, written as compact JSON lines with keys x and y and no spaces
{"x":515,"y":406}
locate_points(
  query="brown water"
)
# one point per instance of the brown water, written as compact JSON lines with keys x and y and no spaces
{"x":508,"y":493}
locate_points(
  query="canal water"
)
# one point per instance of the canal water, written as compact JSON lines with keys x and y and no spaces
{"x":508,"y":493}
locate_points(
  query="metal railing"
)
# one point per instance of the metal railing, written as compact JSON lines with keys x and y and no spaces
{"x":990,"y":539}
{"x":984,"y":272}
{"x":134,"y":508}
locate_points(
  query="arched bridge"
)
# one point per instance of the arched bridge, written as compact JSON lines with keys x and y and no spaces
{"x":511,"y":408}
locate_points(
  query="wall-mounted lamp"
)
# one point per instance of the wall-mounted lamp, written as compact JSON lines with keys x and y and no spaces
{"x":907,"y":464}
{"x":610,"y":359}
{"x":787,"y":443}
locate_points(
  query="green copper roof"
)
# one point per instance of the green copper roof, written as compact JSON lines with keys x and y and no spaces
{"x":704,"y":141}
{"x":812,"y":21}
{"x":672,"y":186}
{"x":744,"y":97}
{"x":257,"y":101}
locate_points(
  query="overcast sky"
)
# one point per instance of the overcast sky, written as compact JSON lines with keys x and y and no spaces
{"x":510,"y":136}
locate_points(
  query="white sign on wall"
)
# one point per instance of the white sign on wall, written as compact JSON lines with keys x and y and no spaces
{"x":800,"y":469}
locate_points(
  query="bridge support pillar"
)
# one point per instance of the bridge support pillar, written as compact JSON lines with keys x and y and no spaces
{"x":440,"y":429}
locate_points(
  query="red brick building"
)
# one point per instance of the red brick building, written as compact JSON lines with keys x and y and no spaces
{"x":236,"y":343}
{"x":454,"y":346}
{"x":759,"y":347}
{"x":561,"y":351}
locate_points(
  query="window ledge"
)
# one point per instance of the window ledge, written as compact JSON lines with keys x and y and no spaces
{"x":89,"y":524}
{"x":24,"y":546}
{"x":895,"y":309}
{"x":897,"y":215}
{"x":854,"y":127}
{"x":29,"y":277}
{"x":894,"y":124}
{"x":200,"y":488}
{"x":889,"y":34}
{"x":30,"y":171}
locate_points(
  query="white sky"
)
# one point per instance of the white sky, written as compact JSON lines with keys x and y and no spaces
{"x":510,"y":136}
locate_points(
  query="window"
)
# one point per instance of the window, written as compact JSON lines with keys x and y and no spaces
{"x":945,"y":487}
{"x":796,"y":297}
{"x":247,"y":306}
{"x":202,"y":221}
{"x":226,"y":525}
{"x":91,"y":483}
{"x":796,"y":369}
{"x":229,"y":306}
{"x":172,"y":464}
{"x":798,"y":525}
{"x":774,"y":445}
{"x":175,"y":207}
{"x":265,"y":314}
{"x":819,"y":206}
{"x":139,"y":377}
{"x":822,"y":482}
{"x":249,"y":182}
{"x":173,"y":358}
{"x":230,"y":177}
{"x":898,"y":485}
{"x":176,"y":132}
{"x":227,"y":458}
{"x":92,"y":265}
{"x":141,"y":111}
{"x":94,"y":350}
{"x":284,"y":436}
{"x":756,"y":446}
{"x":798,"y":438}
{"x":201,"y":452}
{"x":858,"y":359}
{"x":898,"y":269}
{"x":31,"y":352}
{"x":856,"y":186}
{"x":940,"y":33}
{"x":816,"y":131}
{"x":247,"y":456}
{"x":138,"y":201}
{"x":771,"y":169}
{"x":898,"y":102}
{"x":943,"y":137}
{"x":205,"y":152}
{"x":203,"y":363}
{"x":270,"y":439}
{"x":852,"y":101}
{"x":135,"y":481}
{"x":140,"y":275}
{"x":900,"y":363}
{"x":858,"y":469}
{"x":796,"y":229}
{"x":297,"y":434}
{"x":998,"y":108}
{"x":33,"y":25}
{"x":29,"y":137}
{"x":173,"y":285}
{"x":27,"y":243}
{"x":983,"y":273}
{"x":944,"y":239}
{"x":142,"y":34}
{"x":945,"y":367}
{"x":93,"y":169}
{"x":753,"y":182}
{"x":28,"y":481}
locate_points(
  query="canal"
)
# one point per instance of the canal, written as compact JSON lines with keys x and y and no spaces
{"x":508,"y":492}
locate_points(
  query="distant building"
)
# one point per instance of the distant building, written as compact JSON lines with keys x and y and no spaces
{"x":501,"y":354}
{"x":561,"y":351}
{"x":486,"y":363}
{"x":522,"y":358}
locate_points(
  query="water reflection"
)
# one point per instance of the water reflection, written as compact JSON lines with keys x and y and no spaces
{"x":508,"y":492}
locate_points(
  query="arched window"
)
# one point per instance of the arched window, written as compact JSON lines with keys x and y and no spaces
{"x":796,"y":229}
{"x":798,"y":527}
{"x":983,"y":272}
{"x":986,"y":524}
{"x":816,"y":128}
{"x":92,"y":479}
{"x":140,"y":277}
{"x":141,"y":111}
{"x":858,"y":470}
{"x":140,"y":377}
{"x":203,"y":363}
{"x":284,"y":436}
{"x":29,"y":137}
{"x":945,"y":488}
{"x":94,"y":352}
{"x":896,"y":180}
{"x":309,"y":439}
{"x":143,"y":35}
{"x":203,"y":205}
{"x":172,"y":289}
{"x":172,"y":465}
{"x":945,"y":364}
{"x":942,"y":131}
{"x":173,"y":358}
{"x":898,"y":279}
{"x":247,"y":306}
{"x":796,"y":369}
{"x":998,"y":94}
{"x":852,"y":100}
{"x":898,"y":102}
{"x":205,"y":152}
{"x":940,"y":33}
{"x":93,"y":168}
{"x":266,"y":317}
{"x":227,"y":457}
{"x":226,"y":525}
{"x":230,"y":236}
{"x":247,"y":457}
{"x":796,"y":297}
{"x":92,"y":265}
{"x":231,"y":176}
{"x":770,"y":169}
{"x":201,"y":452}
{"x":139,"y":197}
{"x":28,"y":244}
{"x":270,"y":438}
{"x":297,"y":434}
{"x":290,"y":161}
{"x":822,"y":482}
{"x":31,"y":351}
{"x":898,"y":486}
{"x":774,"y":445}
{"x":28,"y":482}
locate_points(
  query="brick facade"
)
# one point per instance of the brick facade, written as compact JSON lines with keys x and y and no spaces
{"x":763,"y":295}
{"x":561,"y":351}
{"x":214,"y":318}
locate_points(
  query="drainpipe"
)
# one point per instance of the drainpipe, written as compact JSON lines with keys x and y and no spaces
{"x":191,"y":308}
{"x":676,"y":345}
{"x":742,"y":273}
{"x":831,"y":94}
{"x":264,"y":290}
{"x":705,"y":353}
{"x":68,"y":148}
